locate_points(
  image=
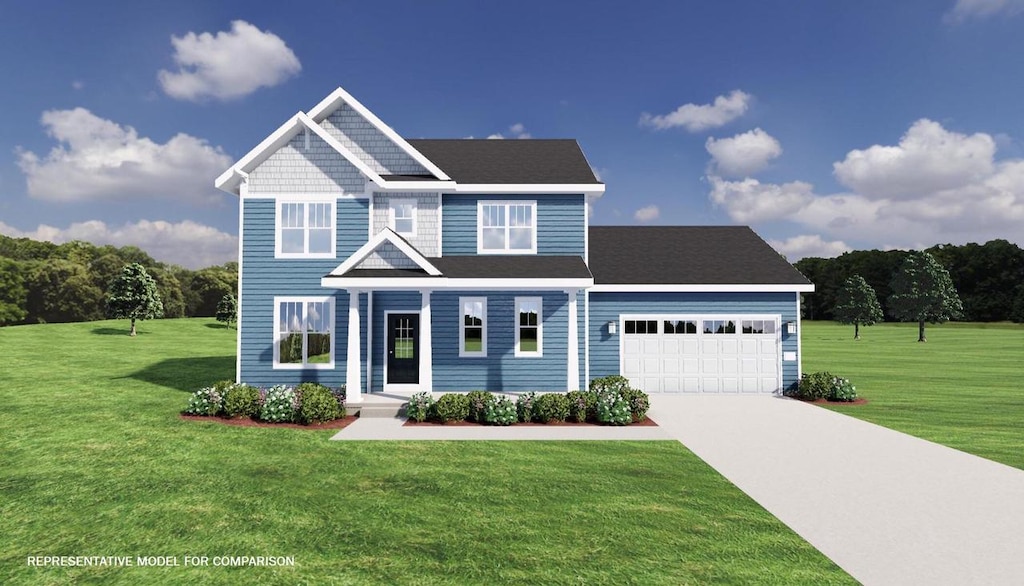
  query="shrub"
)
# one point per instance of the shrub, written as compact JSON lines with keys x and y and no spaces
{"x":551,"y":407}
{"x":501,"y":411}
{"x":842,"y":390}
{"x":420,"y":406}
{"x":279,"y":405}
{"x":582,"y":405}
{"x":479,"y":401}
{"x":339,"y":395}
{"x":317,"y":404}
{"x":524,"y":406}
{"x":638,"y":402}
{"x":205,"y":401}
{"x":609,"y":384}
{"x":613,"y":409}
{"x":242,"y":400}
{"x":816,"y":385}
{"x":452,"y":407}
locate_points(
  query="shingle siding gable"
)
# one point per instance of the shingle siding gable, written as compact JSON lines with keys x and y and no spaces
{"x":296,"y":169}
{"x":369,"y":144}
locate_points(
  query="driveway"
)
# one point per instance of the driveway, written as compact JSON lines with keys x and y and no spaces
{"x":887,"y":507}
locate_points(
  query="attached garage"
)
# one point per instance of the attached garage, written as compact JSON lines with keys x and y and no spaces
{"x":702,"y":353}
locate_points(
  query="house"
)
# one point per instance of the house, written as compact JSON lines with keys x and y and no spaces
{"x":388,"y":264}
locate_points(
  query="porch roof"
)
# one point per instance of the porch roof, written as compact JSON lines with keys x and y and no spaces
{"x":540,"y":271}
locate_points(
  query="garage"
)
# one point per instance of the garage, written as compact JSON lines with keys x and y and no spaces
{"x":701,"y":353}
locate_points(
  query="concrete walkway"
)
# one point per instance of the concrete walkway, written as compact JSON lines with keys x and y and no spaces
{"x":381,"y":428}
{"x":887,"y":507}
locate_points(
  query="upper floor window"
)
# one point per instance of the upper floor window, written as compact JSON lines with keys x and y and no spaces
{"x":507,"y":227}
{"x":305,"y":229}
{"x":403,"y":216}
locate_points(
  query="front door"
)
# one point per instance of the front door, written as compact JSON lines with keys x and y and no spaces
{"x":403,"y":348}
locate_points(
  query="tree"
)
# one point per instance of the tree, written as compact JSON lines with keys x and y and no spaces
{"x":227,"y":309}
{"x":13,"y":295}
{"x":61,"y":291}
{"x":857,"y":304}
{"x":133,"y":295}
{"x":922,"y":291}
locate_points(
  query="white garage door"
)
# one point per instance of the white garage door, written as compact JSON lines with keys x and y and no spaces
{"x":701,"y":354}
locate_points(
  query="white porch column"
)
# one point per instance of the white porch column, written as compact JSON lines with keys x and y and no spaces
{"x":573,"y":353}
{"x":353,"y":364}
{"x":426,"y":348}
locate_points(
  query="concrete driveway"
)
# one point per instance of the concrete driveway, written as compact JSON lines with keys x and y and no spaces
{"x":887,"y":507}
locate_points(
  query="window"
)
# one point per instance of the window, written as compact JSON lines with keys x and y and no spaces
{"x":528,"y":326}
{"x":719,"y":326}
{"x":641,"y":326}
{"x":757,"y":326}
{"x":507,"y":226}
{"x":676,"y":326}
{"x":403,"y":216}
{"x":473,"y":326}
{"x":303,"y":328}
{"x":305,"y":229}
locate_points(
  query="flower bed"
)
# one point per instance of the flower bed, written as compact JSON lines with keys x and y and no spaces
{"x":825,"y":387}
{"x":307,"y":405}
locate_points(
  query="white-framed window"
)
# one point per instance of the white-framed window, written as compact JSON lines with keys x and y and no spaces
{"x":505,"y":227}
{"x":305,"y":229}
{"x":402,"y":216}
{"x":472,"y":326}
{"x":304,"y":332}
{"x":529,"y":326}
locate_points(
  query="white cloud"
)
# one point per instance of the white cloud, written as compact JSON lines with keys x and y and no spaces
{"x":97,"y":159}
{"x":189,"y":244}
{"x":806,"y":245}
{"x":750,"y":200}
{"x":698,"y":117}
{"x":928,"y":158}
{"x":647,"y":214}
{"x":517,"y":130}
{"x":743,"y":154}
{"x":228,"y":65}
{"x":966,"y":9}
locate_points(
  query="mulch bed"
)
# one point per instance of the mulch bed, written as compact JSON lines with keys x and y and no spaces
{"x":841,"y":403}
{"x":246,"y":422}
{"x":645,"y":422}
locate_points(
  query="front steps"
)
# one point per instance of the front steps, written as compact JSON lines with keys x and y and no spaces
{"x":378,"y":407}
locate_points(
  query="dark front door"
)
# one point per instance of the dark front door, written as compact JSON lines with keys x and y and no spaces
{"x":403,"y":348}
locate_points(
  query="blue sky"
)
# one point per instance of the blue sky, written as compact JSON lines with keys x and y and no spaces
{"x":826,"y":126}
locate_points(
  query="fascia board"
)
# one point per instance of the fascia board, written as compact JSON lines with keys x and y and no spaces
{"x":640,"y":288}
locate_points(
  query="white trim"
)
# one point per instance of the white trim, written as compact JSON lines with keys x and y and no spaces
{"x":353,"y":358}
{"x":587,"y":189}
{"x":392,"y":218}
{"x":572,"y":358}
{"x":440,"y":282}
{"x":539,"y":352}
{"x":397,"y":387}
{"x":307,"y":196}
{"x":462,"y":328}
{"x":385,"y":235}
{"x":331,"y":103}
{"x":531,"y":203}
{"x":242,"y":189}
{"x":332,"y":214}
{"x":400,"y":186}
{"x":369,"y":341}
{"x":426,"y":343}
{"x":332,"y":330}
{"x":709,"y":288}
{"x":586,"y":337}
{"x":342,"y":149}
{"x":799,"y":345}
{"x":586,"y":230}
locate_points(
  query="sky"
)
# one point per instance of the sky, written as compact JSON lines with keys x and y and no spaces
{"x":825,"y":126}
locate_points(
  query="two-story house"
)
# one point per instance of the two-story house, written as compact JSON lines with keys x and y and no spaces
{"x":384,"y":264}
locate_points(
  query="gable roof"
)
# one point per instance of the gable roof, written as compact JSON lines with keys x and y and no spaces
{"x":529,"y":161}
{"x":688,"y":255}
{"x":387,"y":235}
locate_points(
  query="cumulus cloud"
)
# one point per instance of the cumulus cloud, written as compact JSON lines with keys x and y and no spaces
{"x":698,"y":117}
{"x":743,"y":154}
{"x":517,"y":130}
{"x":807,"y":245}
{"x":981,"y":9}
{"x":189,"y":244}
{"x":227,"y":65}
{"x":98,"y":159}
{"x":934,"y":186}
{"x":647,"y":214}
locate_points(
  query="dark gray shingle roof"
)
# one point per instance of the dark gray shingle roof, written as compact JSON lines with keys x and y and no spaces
{"x":491,"y":267}
{"x":686,"y":255}
{"x":554,"y":161}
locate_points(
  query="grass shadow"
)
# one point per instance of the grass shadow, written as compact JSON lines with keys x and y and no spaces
{"x":188,"y":374}
{"x":219,"y":326}
{"x":116,"y":331}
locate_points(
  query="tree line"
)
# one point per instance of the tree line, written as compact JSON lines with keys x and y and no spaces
{"x":989,"y":279}
{"x":42,"y":282}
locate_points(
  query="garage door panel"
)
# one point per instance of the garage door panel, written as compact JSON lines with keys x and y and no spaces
{"x":631,"y":367}
{"x":749,"y":365}
{"x":670,"y":365}
{"x":730,"y":384}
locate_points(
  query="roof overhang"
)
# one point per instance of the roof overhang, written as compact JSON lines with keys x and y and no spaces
{"x":412,"y":283}
{"x":589,"y":189}
{"x":385,"y":235}
{"x":725,"y":288}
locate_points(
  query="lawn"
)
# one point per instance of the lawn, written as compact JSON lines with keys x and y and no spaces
{"x":963,"y":388}
{"x":95,"y":461}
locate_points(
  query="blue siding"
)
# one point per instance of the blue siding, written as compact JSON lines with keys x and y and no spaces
{"x":264,"y":277}
{"x":388,"y":301}
{"x":560,"y":223}
{"x":606,"y":307}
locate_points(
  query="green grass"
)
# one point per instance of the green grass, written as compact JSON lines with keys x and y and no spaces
{"x":94,"y":461}
{"x":963,"y":388}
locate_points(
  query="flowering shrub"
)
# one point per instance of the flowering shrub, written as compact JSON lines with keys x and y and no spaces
{"x":613,"y":409}
{"x":842,"y":390}
{"x":242,"y":400}
{"x":420,"y":407}
{"x":205,"y":401}
{"x":501,"y":411}
{"x":638,"y":402}
{"x":340,"y":395}
{"x":279,"y":405}
{"x":478,"y":403}
{"x":524,"y":406}
{"x":609,"y":384}
{"x":551,"y":407}
{"x":452,"y":407}
{"x":824,"y":385}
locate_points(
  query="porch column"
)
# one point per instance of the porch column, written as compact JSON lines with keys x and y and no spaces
{"x":353,"y":364}
{"x":426,"y":347}
{"x":573,"y":353}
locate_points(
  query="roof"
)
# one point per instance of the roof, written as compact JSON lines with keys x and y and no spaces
{"x":686,"y":255}
{"x":489,"y":267}
{"x":483,"y":161}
